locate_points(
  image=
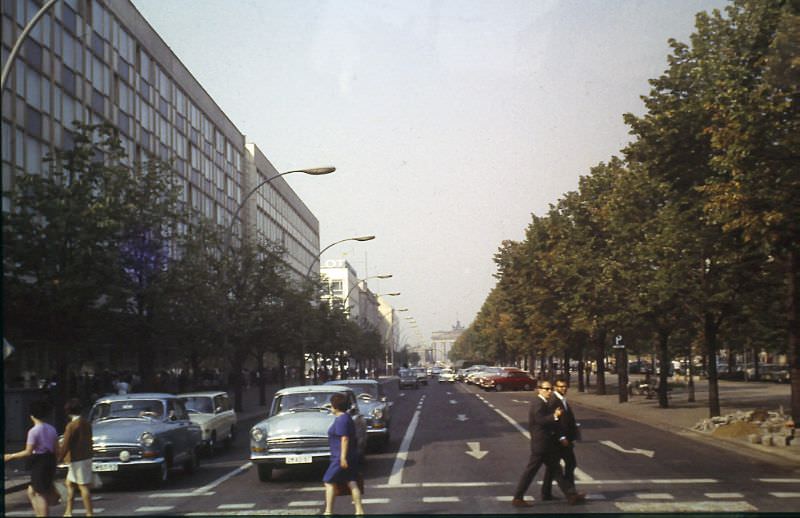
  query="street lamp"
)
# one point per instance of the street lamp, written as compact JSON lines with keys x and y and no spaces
{"x":317,"y":171}
{"x":359,"y":238}
{"x":18,"y":45}
{"x":382,"y":276}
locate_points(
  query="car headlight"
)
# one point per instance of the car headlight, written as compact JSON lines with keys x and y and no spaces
{"x":377,"y":413}
{"x":147,"y":439}
{"x":257,"y":434}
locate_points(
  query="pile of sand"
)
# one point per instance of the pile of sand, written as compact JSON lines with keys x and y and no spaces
{"x":736,"y":429}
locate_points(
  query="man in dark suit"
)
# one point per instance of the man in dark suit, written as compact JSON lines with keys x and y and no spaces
{"x":567,"y":434}
{"x":542,"y":422}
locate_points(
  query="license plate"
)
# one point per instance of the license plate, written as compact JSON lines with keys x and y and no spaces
{"x":298,"y":459}
{"x":105,"y":466}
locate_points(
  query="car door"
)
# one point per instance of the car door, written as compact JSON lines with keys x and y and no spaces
{"x":179,"y":430}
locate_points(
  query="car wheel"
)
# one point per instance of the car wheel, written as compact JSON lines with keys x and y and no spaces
{"x":526,"y":386}
{"x":191,"y":463}
{"x":264,"y":472}
{"x":499,"y":387}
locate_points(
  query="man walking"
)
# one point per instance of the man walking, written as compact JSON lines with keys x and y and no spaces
{"x":567,"y":432}
{"x":542,"y":421}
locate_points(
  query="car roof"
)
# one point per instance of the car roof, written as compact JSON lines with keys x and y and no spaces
{"x":305,"y":389}
{"x":347,"y":382}
{"x":204,"y":393}
{"x":136,"y":395}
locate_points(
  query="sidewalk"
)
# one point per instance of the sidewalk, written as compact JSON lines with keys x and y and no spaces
{"x":681,"y":416}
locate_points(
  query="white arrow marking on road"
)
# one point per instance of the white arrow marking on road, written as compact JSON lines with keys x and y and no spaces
{"x":475,"y":450}
{"x":615,"y":446}
{"x":462,"y":417}
{"x":518,"y":401}
{"x":453,"y":402}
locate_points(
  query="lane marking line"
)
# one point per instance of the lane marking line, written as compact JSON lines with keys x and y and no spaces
{"x":370,"y":501}
{"x":396,"y":476}
{"x":235,"y":506}
{"x":181,"y":494}
{"x":786,"y":494}
{"x":723,"y":495}
{"x":241,"y":469}
{"x":654,"y":496}
{"x":779,"y":480}
{"x":306,"y":503}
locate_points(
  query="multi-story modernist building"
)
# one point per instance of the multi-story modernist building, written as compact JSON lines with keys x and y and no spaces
{"x":100,"y":61}
{"x":369,"y":310}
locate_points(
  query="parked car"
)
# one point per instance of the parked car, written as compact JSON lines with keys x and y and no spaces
{"x":211,"y":410}
{"x":374,"y":405}
{"x":296,"y":429}
{"x":776,"y":373}
{"x":509,"y":380}
{"x":408,"y":378}
{"x":448,"y":375}
{"x":145,"y":432}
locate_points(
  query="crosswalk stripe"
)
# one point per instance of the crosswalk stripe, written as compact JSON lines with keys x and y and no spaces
{"x":306,"y":503}
{"x":369,"y":501}
{"x":235,"y":506}
{"x":685,"y":507}
{"x":440,"y":499}
{"x":791,"y":494}
{"x":779,"y":480}
{"x":154,"y":508}
{"x":724,"y":495}
{"x":654,"y":496}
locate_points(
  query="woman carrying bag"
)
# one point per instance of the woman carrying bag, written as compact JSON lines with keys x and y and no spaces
{"x":343,"y":469}
{"x":40,"y":447}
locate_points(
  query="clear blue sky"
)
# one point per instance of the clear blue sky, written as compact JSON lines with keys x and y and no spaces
{"x":449,"y":122}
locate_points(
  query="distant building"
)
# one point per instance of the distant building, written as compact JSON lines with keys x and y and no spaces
{"x":441,"y":343}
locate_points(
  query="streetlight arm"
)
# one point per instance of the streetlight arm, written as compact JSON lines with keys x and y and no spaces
{"x":14,"y":51}
{"x":315,"y":172}
{"x":360,"y":238}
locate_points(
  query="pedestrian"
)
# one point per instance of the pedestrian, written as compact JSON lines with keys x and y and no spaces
{"x":40,"y":446}
{"x":567,"y":435}
{"x":76,"y":450}
{"x":343,"y":470}
{"x":542,"y":422}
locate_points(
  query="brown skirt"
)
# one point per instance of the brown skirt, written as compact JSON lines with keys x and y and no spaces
{"x":343,"y":488}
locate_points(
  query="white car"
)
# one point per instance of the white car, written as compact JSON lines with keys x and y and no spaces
{"x":212,"y":410}
{"x":447,"y":375}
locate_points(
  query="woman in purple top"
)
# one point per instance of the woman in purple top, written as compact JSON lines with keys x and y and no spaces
{"x":343,"y":468}
{"x":40,"y":446}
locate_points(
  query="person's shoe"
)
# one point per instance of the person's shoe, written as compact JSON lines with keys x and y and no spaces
{"x":519,"y":502}
{"x":576,"y":498}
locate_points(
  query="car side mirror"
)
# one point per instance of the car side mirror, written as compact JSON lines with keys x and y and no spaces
{"x":218,"y":410}
{"x":172,"y":416}
{"x":384,"y":399}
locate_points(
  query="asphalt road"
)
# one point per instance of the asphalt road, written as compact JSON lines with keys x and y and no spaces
{"x":458,"y":450}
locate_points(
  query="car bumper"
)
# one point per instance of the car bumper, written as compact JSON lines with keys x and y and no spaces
{"x":132,"y":466}
{"x":286,"y":460}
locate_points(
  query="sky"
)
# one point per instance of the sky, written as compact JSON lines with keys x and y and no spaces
{"x":449,"y":122}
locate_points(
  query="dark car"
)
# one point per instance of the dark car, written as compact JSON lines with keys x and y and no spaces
{"x":374,"y":405}
{"x":408,"y":378}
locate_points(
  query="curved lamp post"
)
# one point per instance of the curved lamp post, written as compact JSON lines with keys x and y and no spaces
{"x":359,"y":238}
{"x":18,"y":45}
{"x":317,"y":171}
{"x":382,"y":276}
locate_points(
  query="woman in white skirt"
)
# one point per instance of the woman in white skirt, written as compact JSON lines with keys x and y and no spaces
{"x":76,"y":450}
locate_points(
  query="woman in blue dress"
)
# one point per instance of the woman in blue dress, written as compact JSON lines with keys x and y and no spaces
{"x":344,"y":455}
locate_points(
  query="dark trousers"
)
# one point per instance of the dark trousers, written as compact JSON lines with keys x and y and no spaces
{"x":548,"y":457}
{"x":567,"y":453}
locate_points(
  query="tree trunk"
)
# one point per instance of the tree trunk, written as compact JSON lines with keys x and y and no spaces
{"x":262,"y":383}
{"x":794,"y":329}
{"x":281,"y":369}
{"x":690,"y":385}
{"x":581,"y":368}
{"x":601,"y":361}
{"x":711,"y":354}
{"x":664,"y":362}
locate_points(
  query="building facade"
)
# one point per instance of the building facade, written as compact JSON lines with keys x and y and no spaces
{"x":98,"y":61}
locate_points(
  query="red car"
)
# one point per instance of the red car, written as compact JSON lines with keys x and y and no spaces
{"x":509,"y":380}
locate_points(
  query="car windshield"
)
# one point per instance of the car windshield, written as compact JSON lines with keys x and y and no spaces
{"x":128,"y":408}
{"x":199,"y":404}
{"x":364,"y":388}
{"x":405,"y":373}
{"x":301,"y":402}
